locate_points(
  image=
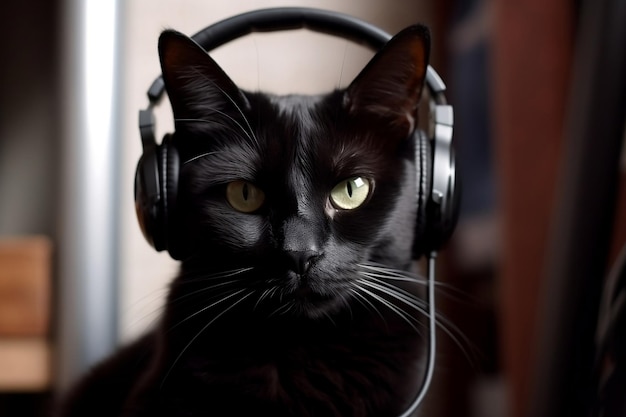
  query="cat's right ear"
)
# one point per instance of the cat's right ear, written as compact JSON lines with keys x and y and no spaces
{"x":391,"y":84}
{"x":194,"y":82}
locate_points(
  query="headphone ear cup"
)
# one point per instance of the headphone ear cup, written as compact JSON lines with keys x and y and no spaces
{"x":423,"y":181}
{"x":148,"y":194}
{"x":156,"y":187}
{"x":169,"y":170}
{"x":442,"y":220}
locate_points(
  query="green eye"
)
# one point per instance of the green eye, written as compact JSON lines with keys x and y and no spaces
{"x":244,"y":196}
{"x":350,"y":194}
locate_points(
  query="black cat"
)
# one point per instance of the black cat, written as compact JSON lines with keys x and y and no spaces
{"x":296,"y":217}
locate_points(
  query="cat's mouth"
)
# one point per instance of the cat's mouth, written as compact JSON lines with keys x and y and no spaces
{"x":312,"y":302}
{"x":307,"y":294}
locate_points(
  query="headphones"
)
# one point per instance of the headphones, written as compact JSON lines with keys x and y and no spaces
{"x":156,"y":179}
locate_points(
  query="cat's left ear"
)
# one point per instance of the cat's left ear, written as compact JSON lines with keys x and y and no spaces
{"x":195,"y":83}
{"x":390,"y":86}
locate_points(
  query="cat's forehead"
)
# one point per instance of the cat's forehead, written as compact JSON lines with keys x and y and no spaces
{"x":300,"y":125}
{"x":297,"y":123}
{"x":316,"y":130}
{"x":293,"y":104}
{"x":296,"y":108}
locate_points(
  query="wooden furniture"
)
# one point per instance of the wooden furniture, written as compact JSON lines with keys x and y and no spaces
{"x":25,"y":297}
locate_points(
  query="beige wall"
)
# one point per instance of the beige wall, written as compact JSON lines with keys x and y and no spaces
{"x":294,"y":62}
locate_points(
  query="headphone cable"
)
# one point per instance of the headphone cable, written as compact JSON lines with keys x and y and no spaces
{"x":432,"y":344}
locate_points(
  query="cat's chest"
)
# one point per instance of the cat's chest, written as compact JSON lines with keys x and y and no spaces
{"x":277,"y":364}
{"x":296,"y":369}
{"x":325,"y":381}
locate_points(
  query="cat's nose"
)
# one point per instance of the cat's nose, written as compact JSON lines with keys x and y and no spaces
{"x":301,"y":244}
{"x":301,"y":261}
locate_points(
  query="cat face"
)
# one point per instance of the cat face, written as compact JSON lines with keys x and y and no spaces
{"x":296,"y":194}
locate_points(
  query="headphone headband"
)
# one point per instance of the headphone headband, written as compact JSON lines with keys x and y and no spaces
{"x":291,"y":18}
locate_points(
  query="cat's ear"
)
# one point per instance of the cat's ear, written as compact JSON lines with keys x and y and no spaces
{"x":390,"y":86}
{"x":194,"y":82}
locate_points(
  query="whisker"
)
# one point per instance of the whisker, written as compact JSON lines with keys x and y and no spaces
{"x":345,"y":301}
{"x":394,"y":274}
{"x":203,"y":290}
{"x":210,"y":277}
{"x":149,"y":318}
{"x":328,"y":316}
{"x":221,"y":300}
{"x":449,"y":328}
{"x":343,"y":64}
{"x":396,"y":295}
{"x":442,"y":323}
{"x":265,"y":294}
{"x":401,"y":313}
{"x":198,"y":157}
{"x":258,"y":65}
{"x":206,"y":326}
{"x":457,"y":336}
{"x":245,"y":119}
{"x":274,"y":291}
{"x":221,"y":113}
{"x":185,"y":279}
{"x":400,"y":291}
{"x":400,"y":275}
{"x":283,"y":309}
{"x":365,"y":302}
{"x":236,"y":107}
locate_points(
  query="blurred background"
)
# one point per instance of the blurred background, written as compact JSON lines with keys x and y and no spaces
{"x":538,"y":93}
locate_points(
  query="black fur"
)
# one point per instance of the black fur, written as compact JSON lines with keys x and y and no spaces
{"x":299,"y":308}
